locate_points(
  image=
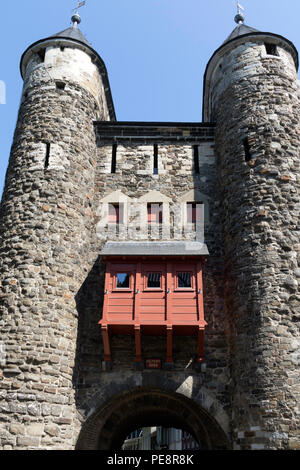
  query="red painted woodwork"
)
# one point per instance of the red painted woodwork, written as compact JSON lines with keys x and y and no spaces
{"x":153,"y":297}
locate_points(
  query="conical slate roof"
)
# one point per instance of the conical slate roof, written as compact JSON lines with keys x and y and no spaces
{"x":73,"y":32}
{"x":240,"y":30}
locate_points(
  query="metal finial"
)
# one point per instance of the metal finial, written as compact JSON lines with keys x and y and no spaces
{"x":76,"y":19}
{"x":240,"y":17}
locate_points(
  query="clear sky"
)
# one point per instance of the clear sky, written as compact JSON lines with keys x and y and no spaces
{"x":155,"y":51}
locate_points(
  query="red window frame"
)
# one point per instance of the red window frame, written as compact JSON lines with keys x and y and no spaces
{"x":115,"y":280}
{"x":193,"y":281}
{"x":157,"y":289}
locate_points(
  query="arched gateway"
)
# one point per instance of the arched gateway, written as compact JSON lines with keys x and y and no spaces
{"x":107,"y":427}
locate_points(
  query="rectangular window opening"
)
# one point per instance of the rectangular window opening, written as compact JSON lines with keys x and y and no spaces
{"x":155,"y":213}
{"x":248,"y":155}
{"x":153,"y":281}
{"x":47,"y":158}
{"x":60,"y":85}
{"x":193,"y":212}
{"x":184,"y":280}
{"x":114,"y":158}
{"x":115,"y":214}
{"x":155,"y":160}
{"x":42,"y":54}
{"x":196,"y":159}
{"x":271,"y":49}
{"x":123,"y":280}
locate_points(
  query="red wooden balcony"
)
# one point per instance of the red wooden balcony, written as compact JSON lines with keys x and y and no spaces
{"x":150,"y":295}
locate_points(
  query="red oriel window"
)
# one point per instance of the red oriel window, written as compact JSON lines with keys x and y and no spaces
{"x":153,"y":296}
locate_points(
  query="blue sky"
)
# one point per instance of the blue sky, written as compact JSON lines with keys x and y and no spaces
{"x":155,"y":51}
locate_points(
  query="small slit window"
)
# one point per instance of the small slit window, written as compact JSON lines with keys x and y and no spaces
{"x":155,"y":160}
{"x":153,"y":280}
{"x":60,"y":85}
{"x":123,"y":280}
{"x":196,"y":159}
{"x":271,"y":49}
{"x":47,"y":157}
{"x":184,"y":280}
{"x":114,"y":158}
{"x":248,"y":155}
{"x":42,"y":54}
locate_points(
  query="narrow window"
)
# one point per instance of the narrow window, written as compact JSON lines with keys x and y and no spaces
{"x":114,"y":158}
{"x":60,"y":85}
{"x":184,"y":280}
{"x":123,"y":280}
{"x":271,"y":49}
{"x":153,"y":281}
{"x":196,"y":159}
{"x":248,"y":155}
{"x":155,"y":160}
{"x":155,"y":213}
{"x":191,"y":212}
{"x":42,"y":54}
{"x":115,"y":214}
{"x":47,"y":158}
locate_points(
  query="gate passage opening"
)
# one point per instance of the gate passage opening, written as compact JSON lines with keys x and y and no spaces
{"x":151,"y":295}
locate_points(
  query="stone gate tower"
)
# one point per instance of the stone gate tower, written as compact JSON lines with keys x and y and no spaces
{"x":252,"y":93}
{"x":149,"y":271}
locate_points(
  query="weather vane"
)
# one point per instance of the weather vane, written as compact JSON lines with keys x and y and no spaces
{"x":240,"y":17}
{"x":76,"y":17}
{"x":80,"y":4}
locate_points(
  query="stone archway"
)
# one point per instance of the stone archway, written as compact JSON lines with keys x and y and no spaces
{"x":107,"y":428}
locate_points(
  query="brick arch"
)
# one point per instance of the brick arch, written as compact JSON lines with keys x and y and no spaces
{"x":107,"y":427}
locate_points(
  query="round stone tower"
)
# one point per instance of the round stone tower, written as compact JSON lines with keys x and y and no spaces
{"x":45,"y":237}
{"x":251,"y":92}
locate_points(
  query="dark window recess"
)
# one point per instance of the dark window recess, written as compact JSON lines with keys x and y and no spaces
{"x":184,"y":280}
{"x":271,"y":49}
{"x":153,"y":281}
{"x":42,"y":54}
{"x":123,"y":280}
{"x":60,"y":85}
{"x":155,"y":160}
{"x":47,"y":159}
{"x":114,"y":158}
{"x":196,"y":159}
{"x":248,"y":155}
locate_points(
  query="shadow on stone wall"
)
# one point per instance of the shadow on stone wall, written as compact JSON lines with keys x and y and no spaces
{"x":89,"y":350}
